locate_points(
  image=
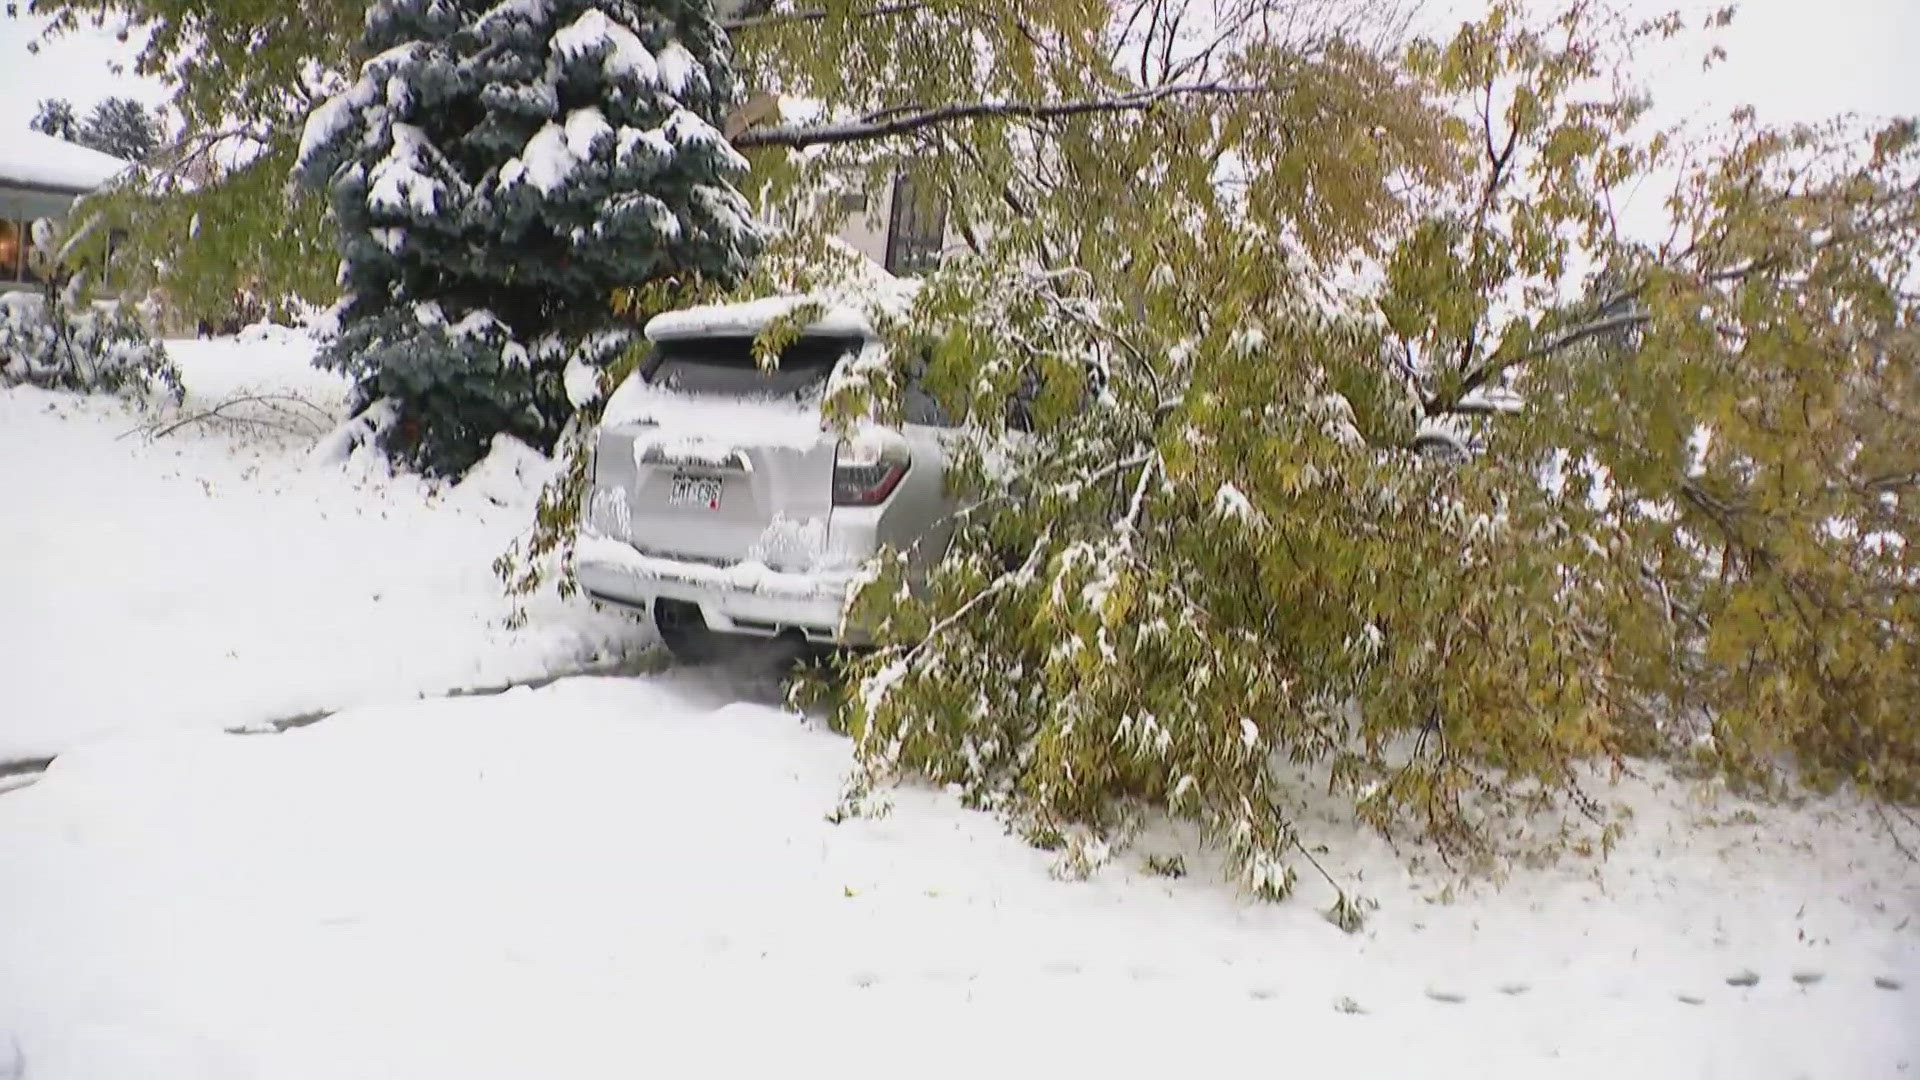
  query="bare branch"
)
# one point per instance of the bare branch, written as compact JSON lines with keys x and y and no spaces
{"x":1880,"y":807}
{"x":282,"y":416}
{"x":863,"y":131}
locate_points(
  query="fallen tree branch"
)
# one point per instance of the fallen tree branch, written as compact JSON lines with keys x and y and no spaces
{"x":863,"y":131}
{"x":814,"y":15}
{"x":283,"y":418}
{"x":777,"y":18}
{"x":911,"y":654}
{"x":1479,"y":376}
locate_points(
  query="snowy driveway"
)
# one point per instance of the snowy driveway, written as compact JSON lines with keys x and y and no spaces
{"x":615,"y":877}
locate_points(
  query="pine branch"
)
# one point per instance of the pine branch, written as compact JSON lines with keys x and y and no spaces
{"x":864,"y":131}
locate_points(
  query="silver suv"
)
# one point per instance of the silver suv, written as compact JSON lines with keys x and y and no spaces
{"x":722,"y":503}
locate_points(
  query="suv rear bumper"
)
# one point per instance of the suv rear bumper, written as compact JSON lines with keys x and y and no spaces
{"x":742,"y":598}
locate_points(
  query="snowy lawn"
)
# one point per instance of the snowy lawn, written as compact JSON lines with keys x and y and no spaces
{"x":214,"y":576}
{"x":637,"y":877}
{"x":632,"y":877}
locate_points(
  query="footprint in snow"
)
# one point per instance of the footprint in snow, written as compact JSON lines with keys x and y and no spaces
{"x":1349,"y":1006}
{"x":1745,"y":978}
{"x":1261,"y":993}
{"x":1448,"y":996}
{"x":1885,"y":983}
{"x":1513,"y":989}
{"x":864,"y":979}
{"x":1808,"y":978}
{"x":1691,"y":999}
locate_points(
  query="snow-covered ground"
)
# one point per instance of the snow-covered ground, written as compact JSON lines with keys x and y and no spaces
{"x":634,"y":877}
{"x":619,"y":877}
{"x":215,"y":576}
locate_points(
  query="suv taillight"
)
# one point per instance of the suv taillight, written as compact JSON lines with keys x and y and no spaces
{"x":866,"y":470}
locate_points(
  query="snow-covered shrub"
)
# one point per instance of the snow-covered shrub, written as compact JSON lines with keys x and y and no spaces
{"x":57,"y":339}
{"x":497,"y":172}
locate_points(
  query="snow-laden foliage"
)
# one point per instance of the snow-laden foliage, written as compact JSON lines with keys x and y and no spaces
{"x":210,"y":215}
{"x":92,"y":349}
{"x":57,"y":338}
{"x":1208,"y":554}
{"x":497,"y":171}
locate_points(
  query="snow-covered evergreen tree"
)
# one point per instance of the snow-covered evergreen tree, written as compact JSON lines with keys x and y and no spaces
{"x":55,"y":117}
{"x":122,"y":127}
{"x":497,"y":171}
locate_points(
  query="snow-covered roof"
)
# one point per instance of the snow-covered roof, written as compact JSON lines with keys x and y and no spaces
{"x":752,"y":316}
{"x":31,"y":159}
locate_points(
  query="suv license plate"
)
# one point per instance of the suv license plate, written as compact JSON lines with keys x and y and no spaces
{"x":701,"y":491}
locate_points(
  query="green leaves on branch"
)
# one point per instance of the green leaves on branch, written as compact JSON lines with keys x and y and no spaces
{"x":1217,"y":580}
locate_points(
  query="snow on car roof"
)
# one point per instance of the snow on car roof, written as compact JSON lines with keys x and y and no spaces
{"x":34,"y":159}
{"x":752,"y":316}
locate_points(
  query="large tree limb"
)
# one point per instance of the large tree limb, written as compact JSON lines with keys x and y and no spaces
{"x":1619,"y":320}
{"x":813,"y":15}
{"x":902,"y":124}
{"x":777,"y":18}
{"x":1479,"y":376}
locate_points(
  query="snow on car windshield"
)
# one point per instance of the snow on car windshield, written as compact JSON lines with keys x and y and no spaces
{"x":706,"y":395}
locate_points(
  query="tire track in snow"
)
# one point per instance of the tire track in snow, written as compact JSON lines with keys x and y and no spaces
{"x":23,"y":772}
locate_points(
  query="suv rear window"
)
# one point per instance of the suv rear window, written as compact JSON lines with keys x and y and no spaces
{"x":725,"y":366}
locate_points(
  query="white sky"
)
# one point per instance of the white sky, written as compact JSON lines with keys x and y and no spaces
{"x":1794,"y":60}
{"x":1791,"y":59}
{"x":76,"y":67}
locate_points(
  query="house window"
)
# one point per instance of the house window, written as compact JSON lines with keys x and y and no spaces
{"x":917,"y":227}
{"x":26,"y":251}
{"x":12,"y":237}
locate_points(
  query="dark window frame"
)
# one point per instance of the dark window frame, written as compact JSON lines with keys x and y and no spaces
{"x":916,"y":227}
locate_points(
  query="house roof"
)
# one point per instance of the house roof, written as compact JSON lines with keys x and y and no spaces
{"x":32,"y":160}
